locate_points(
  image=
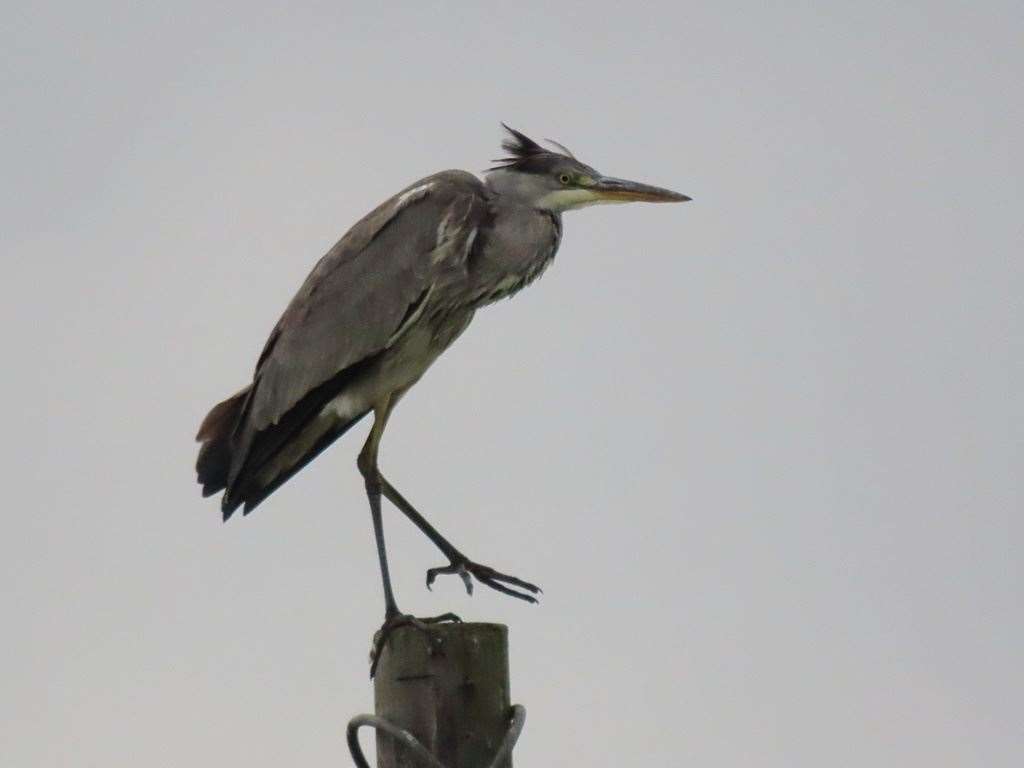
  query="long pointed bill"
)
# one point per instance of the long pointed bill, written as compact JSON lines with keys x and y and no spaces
{"x":622,"y":191}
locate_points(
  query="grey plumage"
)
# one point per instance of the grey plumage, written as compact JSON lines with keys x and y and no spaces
{"x":348,"y":313}
{"x":379,"y":308}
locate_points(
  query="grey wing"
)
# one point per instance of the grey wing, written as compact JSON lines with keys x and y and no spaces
{"x":355,"y":299}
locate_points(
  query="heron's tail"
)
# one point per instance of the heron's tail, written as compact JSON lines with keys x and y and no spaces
{"x":214,"y":462}
{"x":250,"y":465}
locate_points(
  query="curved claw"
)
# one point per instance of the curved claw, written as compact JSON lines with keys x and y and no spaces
{"x":456,"y":568}
{"x":392,"y":623}
{"x":488,"y":577}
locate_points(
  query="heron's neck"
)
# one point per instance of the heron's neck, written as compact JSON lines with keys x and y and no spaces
{"x":515,"y":188}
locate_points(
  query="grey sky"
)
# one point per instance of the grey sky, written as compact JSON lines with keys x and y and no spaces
{"x":763,"y":451}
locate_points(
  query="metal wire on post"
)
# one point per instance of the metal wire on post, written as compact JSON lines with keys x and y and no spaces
{"x":402,"y":736}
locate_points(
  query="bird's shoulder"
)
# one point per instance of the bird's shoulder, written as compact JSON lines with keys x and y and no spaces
{"x":456,"y":181}
{"x":437,"y":191}
{"x":421,"y":206}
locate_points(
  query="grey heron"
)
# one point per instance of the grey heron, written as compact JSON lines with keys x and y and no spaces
{"x":378,"y":309}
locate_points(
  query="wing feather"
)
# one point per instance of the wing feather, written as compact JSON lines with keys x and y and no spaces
{"x":358,"y":295}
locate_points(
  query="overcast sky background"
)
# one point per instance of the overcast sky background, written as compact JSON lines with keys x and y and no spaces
{"x":763,"y":451}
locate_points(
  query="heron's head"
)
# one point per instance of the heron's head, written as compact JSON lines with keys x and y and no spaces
{"x":554,"y":180}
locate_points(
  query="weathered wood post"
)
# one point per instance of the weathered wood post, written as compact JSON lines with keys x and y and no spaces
{"x":449,"y":688}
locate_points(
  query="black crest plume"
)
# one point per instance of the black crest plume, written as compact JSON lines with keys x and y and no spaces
{"x":527,"y":155}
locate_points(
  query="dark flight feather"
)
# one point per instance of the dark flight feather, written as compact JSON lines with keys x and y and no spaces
{"x":257,"y":493}
{"x":263,"y":470}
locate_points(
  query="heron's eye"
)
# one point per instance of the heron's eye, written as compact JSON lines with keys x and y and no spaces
{"x":564,"y":178}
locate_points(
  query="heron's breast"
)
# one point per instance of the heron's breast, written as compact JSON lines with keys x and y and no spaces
{"x":514,"y":254}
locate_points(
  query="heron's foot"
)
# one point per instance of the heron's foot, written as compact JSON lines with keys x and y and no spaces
{"x":393,"y":622}
{"x":468,"y":570}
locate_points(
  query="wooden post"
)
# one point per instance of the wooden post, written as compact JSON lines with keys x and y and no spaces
{"x":450,"y":689}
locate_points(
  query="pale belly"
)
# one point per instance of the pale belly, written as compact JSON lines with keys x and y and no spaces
{"x":397,"y":369}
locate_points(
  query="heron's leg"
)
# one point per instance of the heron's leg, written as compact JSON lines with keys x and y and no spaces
{"x":393,"y":618}
{"x":367,"y":463}
{"x":459,"y":564}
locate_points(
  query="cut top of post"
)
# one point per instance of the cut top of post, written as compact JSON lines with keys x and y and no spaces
{"x":449,"y":687}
